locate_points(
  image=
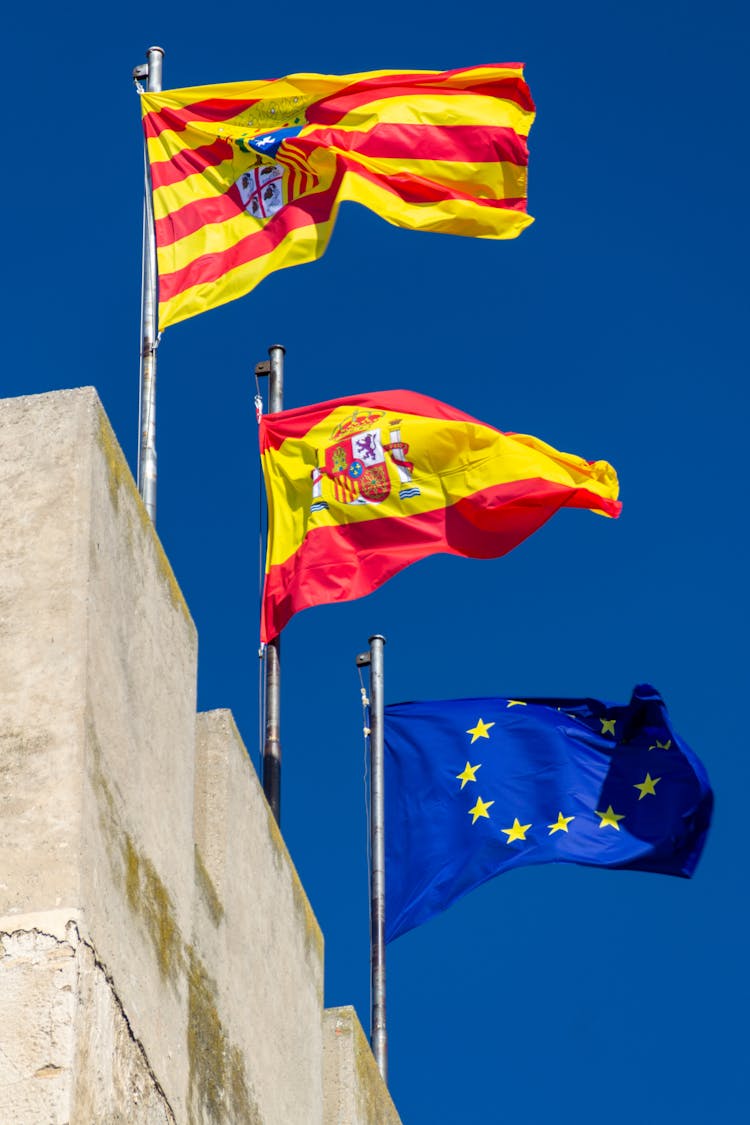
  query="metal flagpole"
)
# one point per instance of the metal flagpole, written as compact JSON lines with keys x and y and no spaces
{"x":272,"y":744}
{"x":149,"y":313}
{"x":378,"y":1033}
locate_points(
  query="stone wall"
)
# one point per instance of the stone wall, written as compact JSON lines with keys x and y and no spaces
{"x":141,"y":978}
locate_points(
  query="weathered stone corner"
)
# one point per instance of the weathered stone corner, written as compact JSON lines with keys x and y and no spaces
{"x":354,"y":1092}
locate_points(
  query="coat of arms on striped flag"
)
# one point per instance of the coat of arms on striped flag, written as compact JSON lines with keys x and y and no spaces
{"x":357,"y":466}
{"x":262,"y":190}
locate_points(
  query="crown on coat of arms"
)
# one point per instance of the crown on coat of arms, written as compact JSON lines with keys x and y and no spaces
{"x":360,"y":420}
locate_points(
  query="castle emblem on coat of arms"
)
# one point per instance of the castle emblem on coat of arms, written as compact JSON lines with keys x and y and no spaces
{"x":356,"y":463}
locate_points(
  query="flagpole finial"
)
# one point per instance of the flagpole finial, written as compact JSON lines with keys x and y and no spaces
{"x":154,"y":56}
{"x":276,"y":354}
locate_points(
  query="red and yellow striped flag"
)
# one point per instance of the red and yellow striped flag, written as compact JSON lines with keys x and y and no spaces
{"x":358,"y":488}
{"x":247,"y":178}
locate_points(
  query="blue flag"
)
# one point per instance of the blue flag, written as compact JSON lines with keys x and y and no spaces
{"x":474,"y":787}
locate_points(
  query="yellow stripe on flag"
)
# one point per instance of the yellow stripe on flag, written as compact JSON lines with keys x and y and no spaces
{"x":432,"y":109}
{"x":302,"y":245}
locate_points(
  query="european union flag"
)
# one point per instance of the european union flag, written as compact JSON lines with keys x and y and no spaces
{"x":474,"y":787}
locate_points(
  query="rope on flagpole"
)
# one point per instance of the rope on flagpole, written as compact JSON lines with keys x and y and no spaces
{"x":366,"y":732}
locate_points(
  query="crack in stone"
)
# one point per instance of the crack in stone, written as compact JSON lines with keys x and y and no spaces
{"x":73,"y":938}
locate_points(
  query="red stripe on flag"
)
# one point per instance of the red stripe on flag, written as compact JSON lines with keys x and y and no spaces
{"x":484,"y":66}
{"x":330,"y":110}
{"x":207,"y":268}
{"x":336,"y":564}
{"x":465,"y":143}
{"x":212,"y":109}
{"x":295,"y":159}
{"x":417,"y":189}
{"x":188,"y":161}
{"x":196,"y":214}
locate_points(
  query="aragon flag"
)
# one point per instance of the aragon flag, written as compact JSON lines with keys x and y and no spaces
{"x":360,"y":487}
{"x":247,"y":177}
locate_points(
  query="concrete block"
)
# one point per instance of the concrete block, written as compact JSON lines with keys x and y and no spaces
{"x":97,"y":713}
{"x":262,"y":946}
{"x":354,"y":1091}
{"x":161,"y":962}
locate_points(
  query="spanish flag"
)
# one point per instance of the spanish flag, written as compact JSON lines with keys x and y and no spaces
{"x":247,"y":177}
{"x":358,"y":488}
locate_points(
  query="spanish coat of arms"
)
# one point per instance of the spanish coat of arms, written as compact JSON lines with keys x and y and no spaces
{"x":356,"y":463}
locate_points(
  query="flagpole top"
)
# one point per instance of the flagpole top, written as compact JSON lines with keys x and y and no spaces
{"x":150,"y":49}
{"x":376,"y":637}
{"x":275,"y":347}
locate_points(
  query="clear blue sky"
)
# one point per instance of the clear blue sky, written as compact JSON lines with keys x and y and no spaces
{"x":611,"y":328}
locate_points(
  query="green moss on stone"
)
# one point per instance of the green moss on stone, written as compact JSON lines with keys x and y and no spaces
{"x":219,"y":1090}
{"x":145,"y":892}
{"x":206,"y":1044}
{"x":149,"y":898}
{"x":244,"y":1106}
{"x":207,"y":889}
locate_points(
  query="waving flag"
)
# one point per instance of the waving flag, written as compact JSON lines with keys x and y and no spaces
{"x":358,"y":488}
{"x":475,"y":787}
{"x":247,"y":178}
